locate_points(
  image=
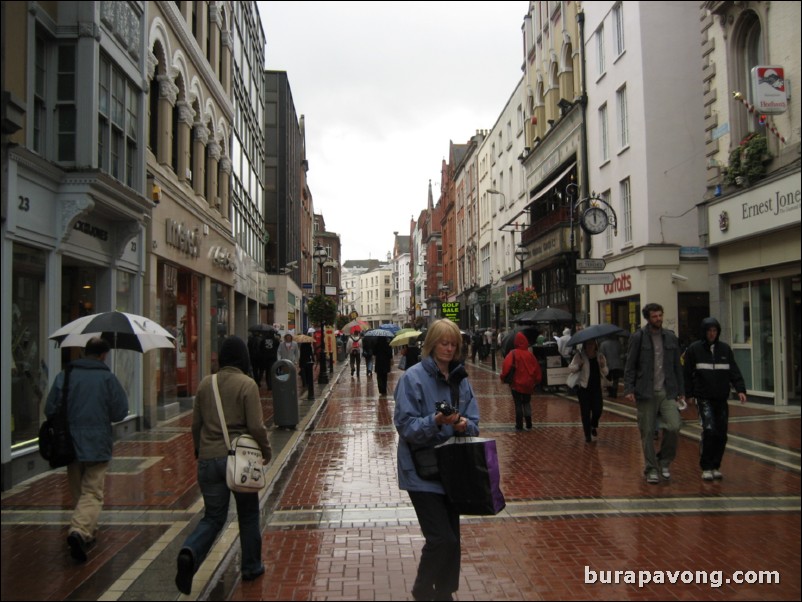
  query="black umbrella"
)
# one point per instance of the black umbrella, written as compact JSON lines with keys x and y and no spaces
{"x":508,"y":342}
{"x":544,"y":314}
{"x":597,"y":331}
{"x":265,"y":328}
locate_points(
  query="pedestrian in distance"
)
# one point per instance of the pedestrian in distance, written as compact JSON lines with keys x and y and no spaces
{"x":437,"y":377}
{"x":592,"y":367}
{"x":562,"y":348}
{"x":367,"y":353}
{"x":476,"y":343}
{"x":526,"y":376}
{"x":610,"y":348}
{"x":383,"y":357}
{"x":95,"y":399}
{"x":306,"y":360}
{"x":289,"y":350}
{"x":254,"y":350}
{"x":412,"y":354}
{"x":653,"y":379}
{"x":269,"y":355}
{"x":710,"y":370}
{"x":353,"y":349}
{"x":242,"y":410}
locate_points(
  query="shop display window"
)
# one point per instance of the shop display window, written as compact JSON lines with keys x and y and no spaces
{"x":29,"y":369}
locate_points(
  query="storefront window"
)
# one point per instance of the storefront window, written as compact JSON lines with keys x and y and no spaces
{"x":166,"y":315}
{"x":125,"y":360}
{"x":752,"y":338}
{"x":219,"y":316}
{"x":29,"y":370}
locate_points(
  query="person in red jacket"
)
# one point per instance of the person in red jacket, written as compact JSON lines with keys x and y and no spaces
{"x":526,"y":377}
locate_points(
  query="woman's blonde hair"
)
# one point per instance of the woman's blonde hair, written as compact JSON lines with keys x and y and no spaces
{"x":442,"y":329}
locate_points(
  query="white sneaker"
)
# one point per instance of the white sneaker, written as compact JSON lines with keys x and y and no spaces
{"x":707,"y":475}
{"x":665,"y":472}
{"x":717,"y":474}
{"x":652,"y":478}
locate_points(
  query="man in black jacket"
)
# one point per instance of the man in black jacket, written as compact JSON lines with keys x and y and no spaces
{"x":710,"y":369}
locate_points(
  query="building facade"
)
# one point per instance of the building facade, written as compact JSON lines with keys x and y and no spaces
{"x":646,"y":167}
{"x":749,"y":219}
{"x":75,"y":205}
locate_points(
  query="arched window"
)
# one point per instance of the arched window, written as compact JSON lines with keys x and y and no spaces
{"x":747,"y":52}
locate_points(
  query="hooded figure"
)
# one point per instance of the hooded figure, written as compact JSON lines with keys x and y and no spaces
{"x":526,"y":376}
{"x":710,"y":371}
{"x":563,"y":349}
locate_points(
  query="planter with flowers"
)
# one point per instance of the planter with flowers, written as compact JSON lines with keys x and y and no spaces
{"x":747,"y":162}
{"x":521,"y":301}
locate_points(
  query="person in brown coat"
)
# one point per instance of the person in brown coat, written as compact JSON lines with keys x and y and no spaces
{"x":242,"y":409}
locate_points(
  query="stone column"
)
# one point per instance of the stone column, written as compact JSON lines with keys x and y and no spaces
{"x":199,"y":140}
{"x":214,"y":32}
{"x":224,"y":186}
{"x":225,"y":76}
{"x":168,"y":93}
{"x":186,"y":116}
{"x":213,"y":148}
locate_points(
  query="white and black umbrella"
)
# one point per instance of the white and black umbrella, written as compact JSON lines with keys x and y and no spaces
{"x":119,"y":329}
{"x":379,"y":332}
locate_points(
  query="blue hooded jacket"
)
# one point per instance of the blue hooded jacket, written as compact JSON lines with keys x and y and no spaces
{"x":95,"y":399}
{"x":416,"y":394}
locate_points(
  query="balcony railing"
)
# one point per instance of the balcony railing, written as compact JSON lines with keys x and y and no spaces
{"x":539,"y":226}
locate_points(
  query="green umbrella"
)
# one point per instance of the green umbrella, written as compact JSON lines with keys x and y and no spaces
{"x":404,"y":338}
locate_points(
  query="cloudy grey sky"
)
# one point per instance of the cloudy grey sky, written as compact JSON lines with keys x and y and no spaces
{"x":383,"y":87}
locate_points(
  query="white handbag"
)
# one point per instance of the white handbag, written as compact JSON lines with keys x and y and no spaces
{"x":244,"y":468}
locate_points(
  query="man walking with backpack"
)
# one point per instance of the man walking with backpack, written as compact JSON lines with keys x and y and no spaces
{"x":95,"y":399}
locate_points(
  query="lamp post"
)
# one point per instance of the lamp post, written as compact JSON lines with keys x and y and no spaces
{"x":321,"y":256}
{"x":521,"y":254}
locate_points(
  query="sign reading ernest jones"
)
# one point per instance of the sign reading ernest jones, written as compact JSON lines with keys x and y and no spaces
{"x":450,"y":310}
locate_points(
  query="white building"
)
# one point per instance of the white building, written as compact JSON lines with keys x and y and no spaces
{"x":376,"y":302}
{"x":646,"y":157}
{"x":402,"y":293}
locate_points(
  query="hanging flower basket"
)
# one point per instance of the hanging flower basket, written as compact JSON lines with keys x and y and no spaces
{"x":521,"y":301}
{"x":747,"y":162}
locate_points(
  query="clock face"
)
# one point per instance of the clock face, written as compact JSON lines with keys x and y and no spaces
{"x":594,"y":220}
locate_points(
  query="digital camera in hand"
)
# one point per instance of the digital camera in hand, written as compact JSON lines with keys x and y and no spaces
{"x":444,"y":408}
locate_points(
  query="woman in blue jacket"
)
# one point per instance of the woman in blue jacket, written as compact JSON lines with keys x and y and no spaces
{"x":439,"y":377}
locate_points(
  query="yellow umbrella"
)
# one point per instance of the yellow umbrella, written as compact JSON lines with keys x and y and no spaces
{"x":404,"y":338}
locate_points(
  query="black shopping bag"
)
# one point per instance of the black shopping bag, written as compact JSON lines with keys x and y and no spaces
{"x":470,"y":475}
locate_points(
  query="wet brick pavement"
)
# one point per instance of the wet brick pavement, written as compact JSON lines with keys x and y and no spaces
{"x":336,"y":527}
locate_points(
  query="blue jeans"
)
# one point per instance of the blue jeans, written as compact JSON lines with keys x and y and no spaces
{"x":216,"y":495}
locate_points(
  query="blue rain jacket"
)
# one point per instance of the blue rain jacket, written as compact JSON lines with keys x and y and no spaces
{"x":95,"y":400}
{"x":419,"y":389}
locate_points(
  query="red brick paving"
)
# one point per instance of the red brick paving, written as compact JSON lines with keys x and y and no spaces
{"x":348,"y":462}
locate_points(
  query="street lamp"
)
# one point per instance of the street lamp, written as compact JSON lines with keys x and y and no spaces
{"x":522,"y":254}
{"x":321,"y":256}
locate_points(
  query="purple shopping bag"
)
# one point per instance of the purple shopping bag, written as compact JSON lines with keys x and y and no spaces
{"x":470,"y":475}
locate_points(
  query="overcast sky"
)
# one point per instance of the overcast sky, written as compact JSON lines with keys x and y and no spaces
{"x":384,"y":87}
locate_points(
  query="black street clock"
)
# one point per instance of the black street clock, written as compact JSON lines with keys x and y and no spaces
{"x":594,"y":220}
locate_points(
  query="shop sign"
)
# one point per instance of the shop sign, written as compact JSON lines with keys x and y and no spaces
{"x":768,"y":84}
{"x":621,"y":284}
{"x":182,"y":238}
{"x":450,"y":310}
{"x":759,"y":209}
{"x":548,"y":246}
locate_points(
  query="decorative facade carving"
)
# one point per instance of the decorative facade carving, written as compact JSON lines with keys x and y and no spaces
{"x":167,"y":88}
{"x":71,"y":210}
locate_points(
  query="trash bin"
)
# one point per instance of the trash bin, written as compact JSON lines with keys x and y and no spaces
{"x":283,"y":379}
{"x":340,"y":352}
